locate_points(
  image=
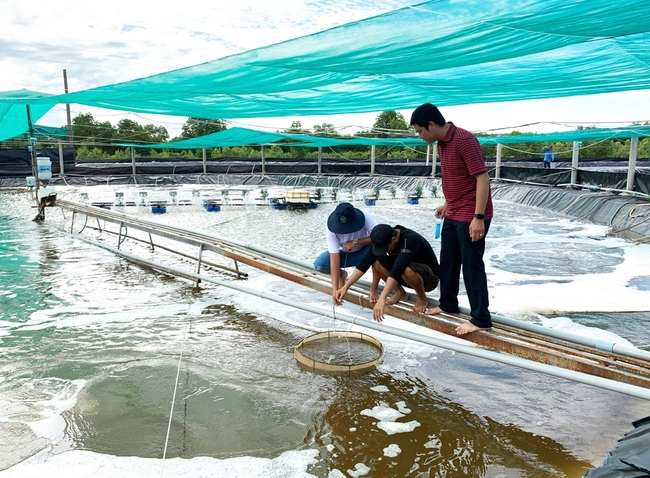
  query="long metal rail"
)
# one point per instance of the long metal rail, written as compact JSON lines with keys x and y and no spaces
{"x":626,"y":365}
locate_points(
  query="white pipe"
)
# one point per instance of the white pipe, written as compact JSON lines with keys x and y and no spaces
{"x":580,"y":377}
{"x":434,"y":159}
{"x":631,"y":168}
{"x":497,"y":172}
{"x":574,"y":162}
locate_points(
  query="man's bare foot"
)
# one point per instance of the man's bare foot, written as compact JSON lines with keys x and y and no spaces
{"x":374,"y":297}
{"x":397,"y":297}
{"x":468,"y":328}
{"x":434,"y":311}
{"x":420,"y":305}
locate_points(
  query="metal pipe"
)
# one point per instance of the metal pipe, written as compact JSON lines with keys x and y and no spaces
{"x":497,"y":171}
{"x":631,"y":168}
{"x":600,"y":382}
{"x":603,"y":345}
{"x":575,"y":161}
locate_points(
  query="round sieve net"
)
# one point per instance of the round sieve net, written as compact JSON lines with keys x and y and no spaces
{"x":339,"y":351}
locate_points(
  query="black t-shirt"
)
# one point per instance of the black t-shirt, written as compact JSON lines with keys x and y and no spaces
{"x":411,"y":247}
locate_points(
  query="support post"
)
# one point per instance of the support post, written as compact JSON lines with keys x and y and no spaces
{"x":133,"y":162}
{"x":574,"y":162}
{"x":61,"y":167}
{"x":428,"y":153}
{"x":631,"y":168}
{"x":434,"y":159}
{"x":67,"y":109}
{"x":263,"y":161}
{"x":205,"y":161}
{"x":320,"y":160}
{"x":497,"y":171}
{"x":372,"y":160}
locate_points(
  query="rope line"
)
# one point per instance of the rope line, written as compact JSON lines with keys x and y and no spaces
{"x":171,"y":411}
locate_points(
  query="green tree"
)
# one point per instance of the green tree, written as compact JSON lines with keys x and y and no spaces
{"x":88,"y":130}
{"x":325,"y":129}
{"x":196,"y":127}
{"x":391,"y":121}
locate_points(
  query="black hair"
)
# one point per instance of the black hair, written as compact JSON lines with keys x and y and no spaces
{"x":425,"y":113}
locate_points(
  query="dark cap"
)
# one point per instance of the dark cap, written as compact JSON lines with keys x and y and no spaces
{"x":380,"y":236}
{"x":346,"y":219}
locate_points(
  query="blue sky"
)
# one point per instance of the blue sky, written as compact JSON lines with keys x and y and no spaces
{"x":124,"y":40}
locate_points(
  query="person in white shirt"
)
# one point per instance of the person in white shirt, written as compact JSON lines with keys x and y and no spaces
{"x":348,"y":240}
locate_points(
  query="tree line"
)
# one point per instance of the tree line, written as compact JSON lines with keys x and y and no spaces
{"x":95,"y":139}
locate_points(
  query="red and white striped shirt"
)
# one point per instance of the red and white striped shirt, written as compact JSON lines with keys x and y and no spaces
{"x":461,"y":160}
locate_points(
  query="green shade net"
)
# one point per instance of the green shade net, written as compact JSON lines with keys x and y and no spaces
{"x":448,"y":52}
{"x":248,"y":137}
{"x":13,"y":112}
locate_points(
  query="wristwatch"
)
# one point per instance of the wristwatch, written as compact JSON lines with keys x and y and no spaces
{"x":356,"y":242}
{"x":479,"y":216}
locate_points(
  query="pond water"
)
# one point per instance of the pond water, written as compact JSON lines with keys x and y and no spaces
{"x":92,"y":346}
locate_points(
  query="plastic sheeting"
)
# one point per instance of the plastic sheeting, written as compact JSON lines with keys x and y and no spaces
{"x":631,"y":458}
{"x":448,"y":52}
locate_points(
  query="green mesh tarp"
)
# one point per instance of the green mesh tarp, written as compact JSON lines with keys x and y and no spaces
{"x":248,"y":137}
{"x":595,"y":134}
{"x":448,"y":52}
{"x":13,"y":111}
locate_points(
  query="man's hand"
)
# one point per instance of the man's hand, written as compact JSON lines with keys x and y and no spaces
{"x":339,"y":295}
{"x":378,"y":310}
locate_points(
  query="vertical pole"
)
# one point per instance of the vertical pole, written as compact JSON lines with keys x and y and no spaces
{"x":67,"y":110}
{"x":631,"y":168}
{"x":428,"y":153}
{"x":205,"y":161}
{"x":263,"y":161}
{"x":320,"y":160}
{"x":32,"y":145}
{"x":497,"y":172}
{"x":372,"y":160}
{"x":133,"y":162}
{"x":32,"y":148}
{"x":61,"y":167}
{"x":574,"y":162}
{"x":434,"y":159}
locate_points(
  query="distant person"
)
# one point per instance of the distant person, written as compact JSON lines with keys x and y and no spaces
{"x":348,"y":240}
{"x":401,"y":258}
{"x":467,"y":211}
{"x":549,"y":156}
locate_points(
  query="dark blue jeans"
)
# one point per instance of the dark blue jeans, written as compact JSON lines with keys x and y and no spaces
{"x":458,"y":251}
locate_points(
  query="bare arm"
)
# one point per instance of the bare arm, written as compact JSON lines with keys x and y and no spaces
{"x":477,"y":226}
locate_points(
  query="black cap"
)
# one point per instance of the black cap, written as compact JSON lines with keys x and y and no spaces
{"x":346,"y":219}
{"x":380,"y":236}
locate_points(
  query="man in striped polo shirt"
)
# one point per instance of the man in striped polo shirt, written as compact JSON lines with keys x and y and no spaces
{"x":467,"y":211}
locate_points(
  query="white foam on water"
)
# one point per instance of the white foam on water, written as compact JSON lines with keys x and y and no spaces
{"x":392,"y":450}
{"x":387,"y":417}
{"x":565,"y":324}
{"x":39,"y":403}
{"x":597,"y":290}
{"x":290,"y":464}
{"x":360,"y":469}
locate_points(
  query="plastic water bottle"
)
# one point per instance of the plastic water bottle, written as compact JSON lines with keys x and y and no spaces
{"x":438,"y":226}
